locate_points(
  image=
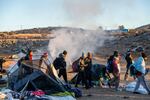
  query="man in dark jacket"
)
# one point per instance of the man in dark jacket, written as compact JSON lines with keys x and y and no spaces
{"x":63,"y":64}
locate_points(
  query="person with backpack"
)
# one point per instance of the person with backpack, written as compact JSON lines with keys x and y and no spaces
{"x":141,"y":71}
{"x":63,"y":64}
{"x":57,"y":62}
{"x":129,"y":66}
{"x":115,"y":66}
{"x":109,"y":65}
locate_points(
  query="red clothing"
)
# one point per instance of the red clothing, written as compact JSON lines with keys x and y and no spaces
{"x":138,"y":73}
{"x":30,"y":56}
{"x":38,"y":93}
{"x":115,"y":66}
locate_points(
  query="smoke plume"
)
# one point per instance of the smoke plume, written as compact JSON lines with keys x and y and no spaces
{"x":76,"y":41}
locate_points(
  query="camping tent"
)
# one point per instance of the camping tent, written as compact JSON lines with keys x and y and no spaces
{"x":30,"y":77}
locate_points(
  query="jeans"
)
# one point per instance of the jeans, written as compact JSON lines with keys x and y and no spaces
{"x":141,"y":80}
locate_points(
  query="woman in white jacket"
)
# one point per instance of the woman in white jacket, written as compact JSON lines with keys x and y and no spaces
{"x":141,"y":72}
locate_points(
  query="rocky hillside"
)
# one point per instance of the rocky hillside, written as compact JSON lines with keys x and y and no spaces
{"x":124,"y":41}
{"x":121,"y":42}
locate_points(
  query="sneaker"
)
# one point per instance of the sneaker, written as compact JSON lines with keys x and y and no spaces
{"x":136,"y":92}
{"x":89,"y":95}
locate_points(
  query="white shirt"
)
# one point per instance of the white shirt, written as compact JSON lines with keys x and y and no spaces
{"x":139,"y":65}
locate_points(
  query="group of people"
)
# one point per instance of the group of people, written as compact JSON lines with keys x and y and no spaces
{"x":84,"y":68}
{"x":84,"y":71}
{"x":136,"y":68}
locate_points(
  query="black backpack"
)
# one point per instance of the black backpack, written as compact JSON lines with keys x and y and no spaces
{"x":57,"y":63}
{"x":110,"y":64}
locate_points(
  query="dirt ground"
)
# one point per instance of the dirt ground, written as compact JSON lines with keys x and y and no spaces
{"x":109,"y":94}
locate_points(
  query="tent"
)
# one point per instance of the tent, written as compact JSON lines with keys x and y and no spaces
{"x":98,"y":71}
{"x":30,"y":77}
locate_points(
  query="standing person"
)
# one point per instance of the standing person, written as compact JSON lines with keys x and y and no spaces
{"x":141,"y":71}
{"x":63,"y":64}
{"x":88,"y":72}
{"x":81,"y":73}
{"x":116,"y":70}
{"x":29,"y":55}
{"x":129,"y":60}
{"x":44,"y":59}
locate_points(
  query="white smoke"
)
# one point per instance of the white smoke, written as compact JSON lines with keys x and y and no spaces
{"x":76,"y":41}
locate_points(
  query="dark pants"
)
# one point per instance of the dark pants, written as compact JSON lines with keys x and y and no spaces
{"x":80,"y":77}
{"x":88,"y":78}
{"x":132,"y":72}
{"x":63,"y":72}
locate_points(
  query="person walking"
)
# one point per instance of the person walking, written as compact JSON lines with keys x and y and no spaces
{"x":129,"y":66}
{"x":141,"y":71}
{"x":115,"y":71}
{"x":63,"y":64}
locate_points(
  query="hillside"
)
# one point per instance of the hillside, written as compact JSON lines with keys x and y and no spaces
{"x":40,"y":37}
{"x":122,"y":42}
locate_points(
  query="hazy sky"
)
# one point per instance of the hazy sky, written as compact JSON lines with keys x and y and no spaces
{"x":20,"y":14}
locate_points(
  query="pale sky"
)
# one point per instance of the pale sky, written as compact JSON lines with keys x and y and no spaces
{"x":89,"y":14}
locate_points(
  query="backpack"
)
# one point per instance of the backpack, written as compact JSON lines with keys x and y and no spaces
{"x":134,"y":71}
{"x":57,"y":63}
{"x":109,"y":66}
{"x":75,"y":65}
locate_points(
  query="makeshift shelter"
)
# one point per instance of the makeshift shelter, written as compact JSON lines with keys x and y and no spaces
{"x":98,"y":71}
{"x":30,"y":77}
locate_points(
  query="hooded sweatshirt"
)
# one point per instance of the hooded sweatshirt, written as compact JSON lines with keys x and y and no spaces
{"x":139,"y":65}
